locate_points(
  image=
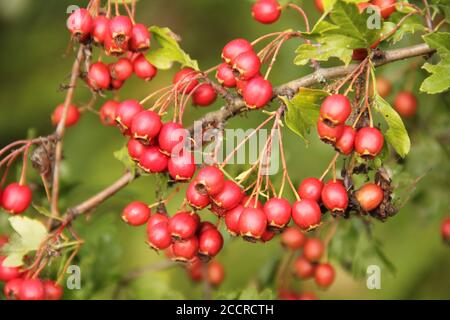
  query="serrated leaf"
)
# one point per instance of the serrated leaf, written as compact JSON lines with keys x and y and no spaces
{"x":439,"y":80}
{"x":123,"y":156}
{"x":169,"y":51}
{"x":411,"y":25}
{"x":303,"y":110}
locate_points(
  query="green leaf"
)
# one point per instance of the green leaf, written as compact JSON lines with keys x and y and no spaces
{"x":411,"y":25}
{"x":303,"y":110}
{"x":439,"y":80}
{"x":396,"y":135}
{"x":28,"y":237}
{"x":251,"y":293}
{"x":123,"y":156}
{"x":169,"y":51}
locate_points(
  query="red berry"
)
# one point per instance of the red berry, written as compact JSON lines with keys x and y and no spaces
{"x":140,"y":38}
{"x":387,"y":7}
{"x":182,"y":167}
{"x":158,"y":236}
{"x":307,"y":296}
{"x":12,"y":288}
{"x":306,"y":214}
{"x":182,"y":225}
{"x":257,"y":92}
{"x":232,"y":220}
{"x":16,"y":198}
{"x":80,"y":24}
{"x":234,"y":48}
{"x":53,"y":291}
{"x":156,"y":219}
{"x":126,"y":111}
{"x":369,"y":142}
{"x":135,"y":149}
{"x":210,"y":180}
{"x":329,"y":134}
{"x":8,"y":273}
{"x":108,"y":112}
{"x":100,"y":29}
{"x":146,"y":125}
{"x":313,"y":249}
{"x":98,"y":76}
{"x":210,"y":242}
{"x":252,"y":223}
{"x":324,"y":275}
{"x":116,"y":84}
{"x":204,"y":95}
{"x":384,"y":86}
{"x":304,"y":269}
{"x":240,"y":85}
{"x":362,"y":6}
{"x":121,"y":70}
{"x":334,"y":196}
{"x":216,"y":273}
{"x":266,"y":11}
{"x":196,"y":199}
{"x":292,"y":238}
{"x":310,"y":188}
{"x":172,"y":135}
{"x":319,"y":5}
{"x":115,"y":48}
{"x":369,"y":196}
{"x":335,"y":109}
{"x":31,"y":289}
{"x":445,"y":230}
{"x":120,"y":29}
{"x":346,"y":142}
{"x":278,"y":212}
{"x":72,"y":117}
{"x":406,"y":104}
{"x":225,"y":76}
{"x":185,"y":80}
{"x":143,"y":68}
{"x":229,"y":197}
{"x":205,"y":225}
{"x":152,"y":160}
{"x":185,"y":250}
{"x":247,"y":64}
{"x":267,"y":236}
{"x":136,"y":213}
{"x":249,"y":201}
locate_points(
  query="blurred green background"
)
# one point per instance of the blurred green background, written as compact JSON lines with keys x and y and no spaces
{"x":36,"y":60}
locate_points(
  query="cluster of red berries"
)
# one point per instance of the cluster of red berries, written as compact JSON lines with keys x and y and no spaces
{"x":18,"y":286}
{"x":334,"y":112}
{"x":215,"y":272}
{"x":15,"y":198}
{"x":241,"y":69}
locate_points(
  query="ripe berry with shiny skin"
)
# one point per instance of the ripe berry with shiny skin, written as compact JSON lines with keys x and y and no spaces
{"x":234,"y":48}
{"x":445,"y":230}
{"x":205,"y":225}
{"x":267,"y":236}
{"x":324,"y":275}
{"x":98,"y":76}
{"x":121,"y":70}
{"x":182,"y":225}
{"x":225,"y":76}
{"x":196,"y":199}
{"x":210,"y":180}
{"x":278,"y":212}
{"x":53,"y":291}
{"x":334,"y":196}
{"x":185,"y":80}
{"x":8,"y":273}
{"x":335,"y":109}
{"x":387,"y":7}
{"x":247,"y":64}
{"x":306,"y":213}
{"x":216,"y":273}
{"x":329,"y":134}
{"x":120,"y":29}
{"x":31,"y":289}
{"x":136,"y":213}
{"x":72,"y":117}
{"x":145,"y":126}
{"x":240,"y":85}
{"x":158,"y":236}
{"x":100,"y":29}
{"x":292,"y":238}
{"x":210,"y":242}
{"x":143,"y":68}
{"x":369,"y":142}
{"x":384,"y":86}
{"x":229,"y":197}
{"x":153,"y":160}
{"x":310,"y":188}
{"x":303,"y":268}
{"x":172,"y":135}
{"x":156,"y":219}
{"x":108,"y":112}
{"x":140,"y":38}
{"x":12,"y":288}
{"x":185,"y":250}
{"x":80,"y":24}
{"x":319,"y":5}
{"x":126,"y":111}
{"x":313,"y":249}
{"x":182,"y":167}
{"x":135,"y":149}
{"x":232,"y":219}
{"x":406,"y":104}
{"x":346,"y":142}
{"x":16,"y":198}
{"x":204,"y":95}
{"x":369,"y":196}
{"x":266,"y":11}
{"x":252,"y":223}
{"x":257,"y":92}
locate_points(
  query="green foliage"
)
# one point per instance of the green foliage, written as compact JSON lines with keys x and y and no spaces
{"x":439,"y":80}
{"x":411,"y":25}
{"x":249,"y":293}
{"x":123,"y":156}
